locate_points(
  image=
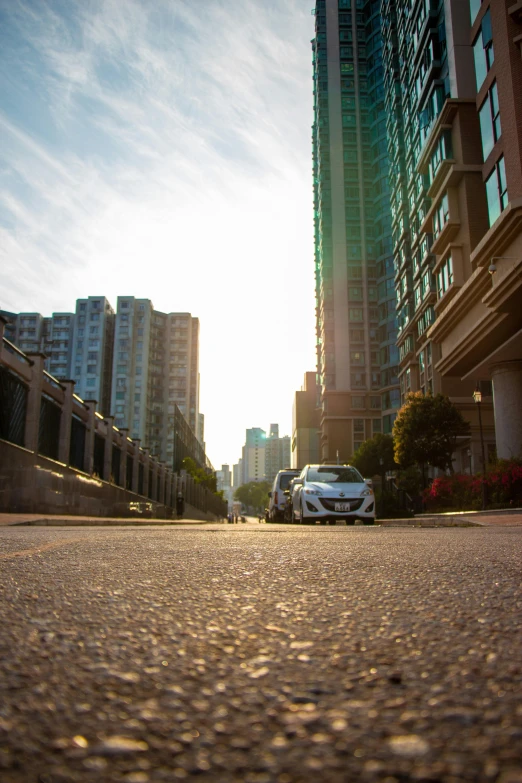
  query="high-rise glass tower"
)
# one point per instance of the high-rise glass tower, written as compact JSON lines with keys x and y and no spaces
{"x":355,"y":313}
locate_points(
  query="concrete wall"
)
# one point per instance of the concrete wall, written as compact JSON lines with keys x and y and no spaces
{"x":30,"y":483}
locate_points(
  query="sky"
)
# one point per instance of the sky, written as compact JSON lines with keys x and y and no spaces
{"x":162,"y":149}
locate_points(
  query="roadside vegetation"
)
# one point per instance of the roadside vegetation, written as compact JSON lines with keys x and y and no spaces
{"x":424,"y":437}
{"x":253,"y":495}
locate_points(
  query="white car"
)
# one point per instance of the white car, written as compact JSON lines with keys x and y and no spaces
{"x":326,"y":493}
{"x":278,"y":499}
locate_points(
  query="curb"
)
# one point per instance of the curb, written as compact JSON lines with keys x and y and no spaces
{"x":75,"y":522}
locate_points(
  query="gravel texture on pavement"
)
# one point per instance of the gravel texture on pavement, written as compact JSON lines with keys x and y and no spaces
{"x":260,"y":654}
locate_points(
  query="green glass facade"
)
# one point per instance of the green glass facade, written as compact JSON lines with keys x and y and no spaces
{"x":416,"y":81}
{"x":354,"y":273}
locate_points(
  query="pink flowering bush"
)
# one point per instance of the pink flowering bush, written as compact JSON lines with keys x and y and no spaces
{"x":461,"y":492}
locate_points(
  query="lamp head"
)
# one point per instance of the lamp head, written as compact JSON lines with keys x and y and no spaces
{"x":492,"y":267}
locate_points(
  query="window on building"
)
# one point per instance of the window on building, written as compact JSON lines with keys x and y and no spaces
{"x":443,"y":151}
{"x":91,"y":368}
{"x":474,"y":8}
{"x":376,"y":426}
{"x":444,"y":277}
{"x":441,"y":216}
{"x":90,"y":382}
{"x":355,"y":315}
{"x":496,"y":191}
{"x":358,"y":426}
{"x":490,"y":121}
{"x":356,"y":357}
{"x":483,"y":52}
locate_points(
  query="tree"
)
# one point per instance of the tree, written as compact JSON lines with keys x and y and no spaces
{"x":253,"y":494}
{"x":367,"y":458}
{"x":200,"y":475}
{"x":425,"y":432}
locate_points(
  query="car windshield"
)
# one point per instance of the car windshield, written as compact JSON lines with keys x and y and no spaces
{"x":335,"y":474}
{"x":285,"y":480}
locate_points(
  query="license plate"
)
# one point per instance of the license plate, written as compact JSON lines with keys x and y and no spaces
{"x":343,"y":506}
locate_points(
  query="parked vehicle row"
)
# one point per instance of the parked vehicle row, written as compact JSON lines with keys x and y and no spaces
{"x":324,"y":493}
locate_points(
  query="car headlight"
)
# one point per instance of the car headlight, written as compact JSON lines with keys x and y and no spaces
{"x":366,"y":492}
{"x":313,"y":492}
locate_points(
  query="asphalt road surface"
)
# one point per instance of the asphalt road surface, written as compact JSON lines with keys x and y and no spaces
{"x":260,"y":654}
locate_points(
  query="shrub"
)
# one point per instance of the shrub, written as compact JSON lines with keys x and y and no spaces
{"x":462,"y":492}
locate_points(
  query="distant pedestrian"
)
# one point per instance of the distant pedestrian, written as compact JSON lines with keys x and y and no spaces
{"x":180,"y":505}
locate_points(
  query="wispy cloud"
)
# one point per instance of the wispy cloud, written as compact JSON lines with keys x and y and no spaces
{"x":162,"y":149}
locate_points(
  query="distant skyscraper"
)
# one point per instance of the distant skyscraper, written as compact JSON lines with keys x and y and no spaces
{"x":140,"y":365}
{"x":277,"y":453}
{"x":237,"y":473}
{"x":155,"y":367}
{"x":53,"y":336}
{"x":92,"y":348}
{"x":306,"y":424}
{"x":356,"y":329}
{"x":253,"y":457}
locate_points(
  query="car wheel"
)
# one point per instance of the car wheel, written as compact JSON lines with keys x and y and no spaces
{"x":368,"y":521}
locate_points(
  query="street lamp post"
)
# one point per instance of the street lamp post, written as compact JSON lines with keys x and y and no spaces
{"x":477,"y":396}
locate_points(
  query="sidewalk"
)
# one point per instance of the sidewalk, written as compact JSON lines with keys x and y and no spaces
{"x":499,"y":518}
{"x":494,"y":518}
{"x":61,"y":520}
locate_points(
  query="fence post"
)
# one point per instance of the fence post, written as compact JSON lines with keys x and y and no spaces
{"x":64,"y":438}
{"x":34,"y":401}
{"x":88,"y":461}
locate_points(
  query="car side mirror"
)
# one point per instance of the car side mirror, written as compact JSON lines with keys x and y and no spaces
{"x":286,"y":492}
{"x":298,"y":482}
{"x":269,"y":494}
{"x":369,"y":482}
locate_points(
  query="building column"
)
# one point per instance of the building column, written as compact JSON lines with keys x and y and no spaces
{"x":154,"y":488}
{"x":88,"y":461}
{"x":507,"y":396}
{"x":107,"y":454}
{"x":34,"y":401}
{"x":122,"y":478}
{"x":64,"y":443}
{"x":136,"y":465}
{"x":161,"y":483}
{"x":146,"y":467}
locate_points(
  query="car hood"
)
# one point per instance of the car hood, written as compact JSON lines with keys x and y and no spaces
{"x":337,"y":487}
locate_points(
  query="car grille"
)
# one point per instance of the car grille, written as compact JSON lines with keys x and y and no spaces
{"x":329,"y":503}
